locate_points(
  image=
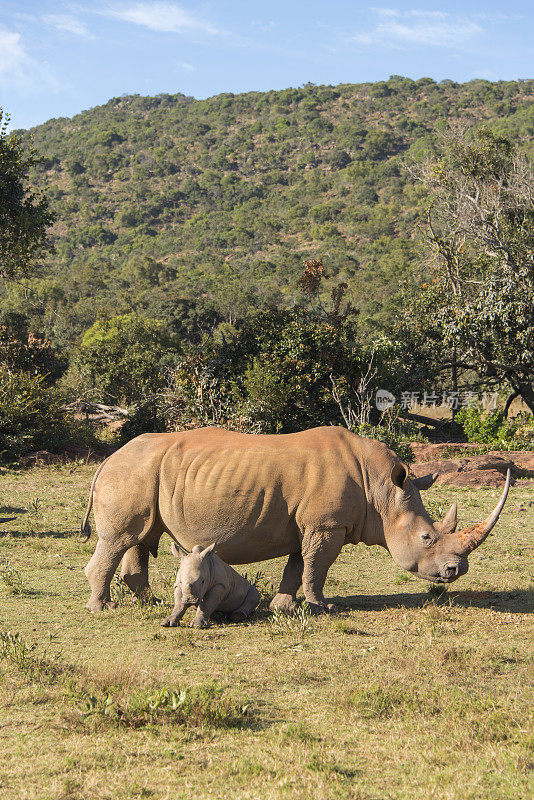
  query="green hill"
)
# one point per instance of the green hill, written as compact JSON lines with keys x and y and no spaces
{"x":220,"y":200}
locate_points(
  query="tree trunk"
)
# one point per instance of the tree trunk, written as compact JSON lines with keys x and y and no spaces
{"x":526,"y":392}
{"x":509,"y":403}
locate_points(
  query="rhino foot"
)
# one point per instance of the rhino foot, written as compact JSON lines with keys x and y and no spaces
{"x":285,"y":603}
{"x":96,"y":606}
{"x":199,"y":623}
{"x":169,"y":622}
{"x":146,"y":598}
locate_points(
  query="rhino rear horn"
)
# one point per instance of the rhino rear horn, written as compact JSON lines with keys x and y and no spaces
{"x":450,"y":520}
{"x":425,"y":481}
{"x":472,"y":537}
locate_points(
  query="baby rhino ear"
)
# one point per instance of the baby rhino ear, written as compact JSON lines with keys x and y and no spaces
{"x":208,"y":550}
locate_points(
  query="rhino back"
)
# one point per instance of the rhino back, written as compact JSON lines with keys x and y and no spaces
{"x":256,"y":492}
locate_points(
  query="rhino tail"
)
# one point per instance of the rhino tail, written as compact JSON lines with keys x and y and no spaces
{"x":85,"y":529}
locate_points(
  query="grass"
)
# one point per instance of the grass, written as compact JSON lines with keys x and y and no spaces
{"x":407,"y":694}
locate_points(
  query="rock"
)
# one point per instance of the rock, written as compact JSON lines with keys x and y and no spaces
{"x":477,"y":470}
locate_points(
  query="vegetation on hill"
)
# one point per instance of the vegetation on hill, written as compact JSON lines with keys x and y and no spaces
{"x":168,"y":200}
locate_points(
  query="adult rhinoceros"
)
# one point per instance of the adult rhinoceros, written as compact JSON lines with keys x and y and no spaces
{"x":300,"y":494}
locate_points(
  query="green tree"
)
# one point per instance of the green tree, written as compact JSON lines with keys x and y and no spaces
{"x":24,"y":215}
{"x":125,"y":358}
{"x":479,"y":302}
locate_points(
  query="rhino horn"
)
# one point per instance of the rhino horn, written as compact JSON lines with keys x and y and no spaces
{"x":425,"y":481}
{"x":472,"y":537}
{"x":450,"y":520}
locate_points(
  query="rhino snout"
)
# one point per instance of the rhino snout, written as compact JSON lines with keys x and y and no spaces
{"x":453,"y":570}
{"x":190,"y":599}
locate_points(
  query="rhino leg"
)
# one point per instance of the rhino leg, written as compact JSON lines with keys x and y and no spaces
{"x":211,"y":600}
{"x":173,"y":620}
{"x":286,"y":599}
{"x":319,"y":551}
{"x":251,"y":601}
{"x":99,"y":572}
{"x":134,"y":572}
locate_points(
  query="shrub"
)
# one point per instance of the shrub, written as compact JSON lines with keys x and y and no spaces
{"x":31,"y":416}
{"x":126,"y":357}
{"x":485,"y":427}
{"x":393,"y":437}
{"x":22,"y":351}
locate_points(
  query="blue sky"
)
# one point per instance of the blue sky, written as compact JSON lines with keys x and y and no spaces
{"x":58,"y":58}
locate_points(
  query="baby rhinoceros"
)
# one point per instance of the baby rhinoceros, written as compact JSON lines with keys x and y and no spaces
{"x":205,"y":581}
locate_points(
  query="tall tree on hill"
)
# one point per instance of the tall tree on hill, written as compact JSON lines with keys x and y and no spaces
{"x":24,"y":215}
{"x":480,"y":247}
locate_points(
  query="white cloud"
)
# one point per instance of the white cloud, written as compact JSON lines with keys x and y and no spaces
{"x":13,"y":57}
{"x":187,"y":67}
{"x":18,"y":69}
{"x":165,"y":17}
{"x":64,"y":22}
{"x":434,"y":28}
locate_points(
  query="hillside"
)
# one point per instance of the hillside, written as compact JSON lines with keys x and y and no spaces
{"x":219,"y":200}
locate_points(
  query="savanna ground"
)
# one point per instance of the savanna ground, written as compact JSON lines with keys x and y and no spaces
{"x":402,"y":695}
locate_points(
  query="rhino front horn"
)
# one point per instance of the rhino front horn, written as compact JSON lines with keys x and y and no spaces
{"x":472,"y":537}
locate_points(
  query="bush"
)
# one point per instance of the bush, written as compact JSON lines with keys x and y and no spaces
{"x":22,"y":351}
{"x":485,"y":427}
{"x":31,"y":416}
{"x":126,"y":357}
{"x":393,"y":437}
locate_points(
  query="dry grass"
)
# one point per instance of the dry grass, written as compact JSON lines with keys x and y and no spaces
{"x":404,"y":695}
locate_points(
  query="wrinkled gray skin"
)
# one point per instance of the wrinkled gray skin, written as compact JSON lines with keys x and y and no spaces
{"x":303,"y":495}
{"x":206,"y":582}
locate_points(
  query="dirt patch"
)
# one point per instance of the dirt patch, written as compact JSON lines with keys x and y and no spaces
{"x":465,"y":470}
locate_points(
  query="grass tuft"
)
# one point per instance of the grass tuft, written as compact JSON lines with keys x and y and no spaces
{"x":197,"y":707}
{"x":296,"y":625}
{"x":12,"y":579}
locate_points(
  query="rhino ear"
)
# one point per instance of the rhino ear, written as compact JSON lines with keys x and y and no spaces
{"x":209,"y":550}
{"x":425,"y":481}
{"x":399,"y":473}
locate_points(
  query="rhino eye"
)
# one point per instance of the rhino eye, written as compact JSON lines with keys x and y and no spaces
{"x":426,"y":538}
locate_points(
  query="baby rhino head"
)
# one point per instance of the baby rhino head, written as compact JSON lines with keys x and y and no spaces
{"x":193,"y":578}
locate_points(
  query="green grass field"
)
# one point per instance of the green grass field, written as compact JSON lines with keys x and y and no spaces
{"x":403,"y":695}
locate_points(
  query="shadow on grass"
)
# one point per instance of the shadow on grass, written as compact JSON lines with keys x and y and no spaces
{"x":33,"y":593}
{"x":36,"y":534}
{"x":12,"y":510}
{"x":516,"y":601}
